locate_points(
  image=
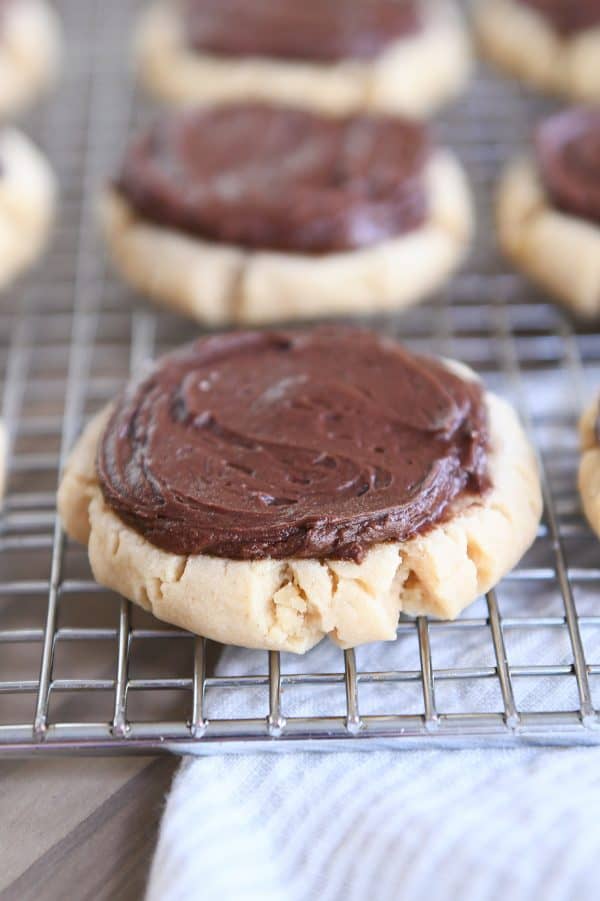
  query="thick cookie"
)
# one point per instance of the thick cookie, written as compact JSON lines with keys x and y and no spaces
{"x":464,"y":492}
{"x":27,"y":202}
{"x":3,"y":444}
{"x":340,"y":232}
{"x":540,"y":49}
{"x":589,"y":466}
{"x":548,"y":210}
{"x":411,"y":75}
{"x":29,"y":51}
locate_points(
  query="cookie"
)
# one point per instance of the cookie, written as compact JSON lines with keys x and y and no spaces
{"x":267,"y":489}
{"x":3,"y":449}
{"x":334,"y":58}
{"x":27,"y":202}
{"x":29,"y":51}
{"x":252,"y":214}
{"x":589,"y":466}
{"x":553,"y":45}
{"x":549,"y":210}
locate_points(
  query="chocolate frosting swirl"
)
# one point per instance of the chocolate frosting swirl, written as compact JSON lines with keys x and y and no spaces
{"x":568,"y":16}
{"x":279,"y":179}
{"x":292,"y":444}
{"x":310,"y":30}
{"x":568,"y":155}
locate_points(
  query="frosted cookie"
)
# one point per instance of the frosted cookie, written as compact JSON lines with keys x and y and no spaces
{"x":3,"y":448}
{"x":553,"y":45}
{"x":29,"y":51}
{"x":27,"y":202}
{"x":267,"y":489}
{"x":253,"y":213}
{"x":589,"y":466}
{"x":549,"y":209}
{"x":392,"y":56}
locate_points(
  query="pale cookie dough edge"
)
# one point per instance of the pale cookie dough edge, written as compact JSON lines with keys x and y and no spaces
{"x":544,"y":242}
{"x":30,"y":46}
{"x":519,"y":41}
{"x":28,"y":196}
{"x":3,"y":455}
{"x":589,"y":466}
{"x":414,"y":76}
{"x":290,"y":605}
{"x":218,"y":283}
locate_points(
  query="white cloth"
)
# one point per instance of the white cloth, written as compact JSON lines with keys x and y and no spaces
{"x":387,"y":825}
{"x":383,"y":826}
{"x":512,"y":825}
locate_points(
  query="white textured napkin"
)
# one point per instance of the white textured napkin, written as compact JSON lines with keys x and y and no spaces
{"x":388,"y":825}
{"x":383,"y":826}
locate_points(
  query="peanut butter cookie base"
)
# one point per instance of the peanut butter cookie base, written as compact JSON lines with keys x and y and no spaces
{"x":559,"y":251}
{"x":521,"y":42}
{"x":27,"y":202}
{"x":589,"y":467}
{"x":29,"y":52}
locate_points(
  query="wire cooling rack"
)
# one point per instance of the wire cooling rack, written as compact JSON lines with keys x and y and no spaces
{"x":81,"y":669}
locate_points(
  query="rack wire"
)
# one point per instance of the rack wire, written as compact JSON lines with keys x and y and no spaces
{"x":80,"y":669}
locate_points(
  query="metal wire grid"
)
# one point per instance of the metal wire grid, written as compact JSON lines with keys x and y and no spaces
{"x":82,"y":669}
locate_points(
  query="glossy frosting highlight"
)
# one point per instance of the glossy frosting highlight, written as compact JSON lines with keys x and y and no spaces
{"x":292,"y":444}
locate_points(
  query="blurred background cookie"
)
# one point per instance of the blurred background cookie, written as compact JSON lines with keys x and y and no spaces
{"x":27,"y":203}
{"x":553,"y":45}
{"x":29,"y":51}
{"x":549,"y":209}
{"x":251,"y":213}
{"x":589,"y":465}
{"x":393,"y":56}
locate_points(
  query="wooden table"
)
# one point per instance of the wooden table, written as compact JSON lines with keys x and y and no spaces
{"x":83,"y":822}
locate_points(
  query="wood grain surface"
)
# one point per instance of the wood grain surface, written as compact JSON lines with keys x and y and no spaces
{"x":80,"y":828}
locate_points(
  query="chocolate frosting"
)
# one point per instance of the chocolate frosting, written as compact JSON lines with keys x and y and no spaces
{"x":568,"y":16}
{"x":568,"y":155}
{"x":312,"y":30}
{"x":292,"y":444}
{"x":279,"y":179}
